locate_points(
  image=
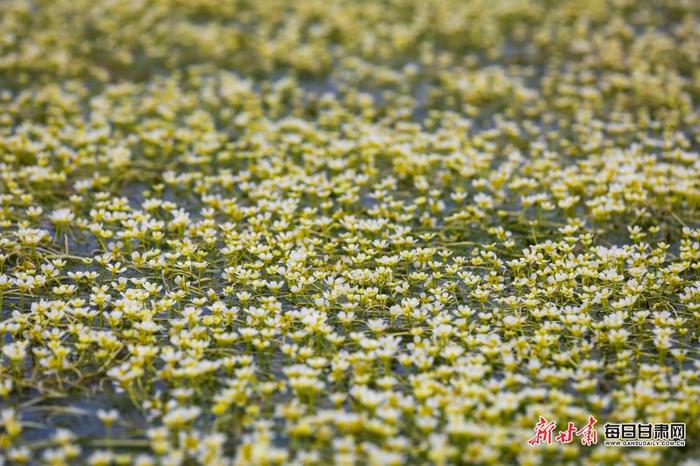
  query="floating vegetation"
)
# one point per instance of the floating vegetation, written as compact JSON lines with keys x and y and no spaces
{"x":347,"y":232}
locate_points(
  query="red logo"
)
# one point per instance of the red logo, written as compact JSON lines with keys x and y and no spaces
{"x":543,"y":432}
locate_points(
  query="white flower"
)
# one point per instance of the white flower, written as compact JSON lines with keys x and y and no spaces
{"x":62,"y":216}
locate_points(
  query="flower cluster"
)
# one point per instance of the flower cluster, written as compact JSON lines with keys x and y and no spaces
{"x":271,"y":232}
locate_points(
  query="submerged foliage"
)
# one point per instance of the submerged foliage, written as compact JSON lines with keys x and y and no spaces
{"x":340,"y":232}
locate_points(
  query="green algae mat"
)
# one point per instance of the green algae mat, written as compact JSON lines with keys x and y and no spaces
{"x":335,"y":232}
